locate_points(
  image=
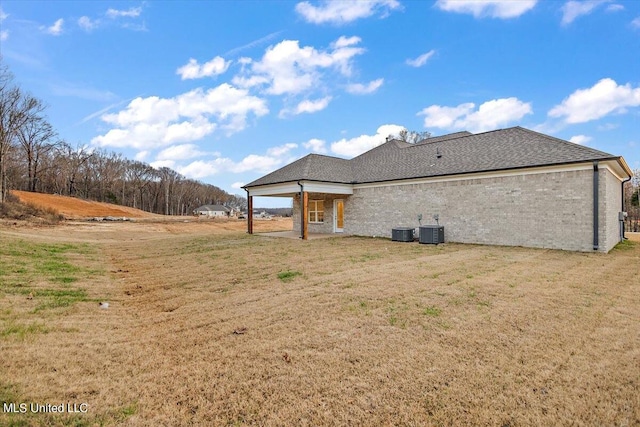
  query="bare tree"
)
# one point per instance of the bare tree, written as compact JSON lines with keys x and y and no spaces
{"x":16,"y":109}
{"x":632,"y":202}
{"x":412,"y":136}
{"x":168,"y":180}
{"x":36,"y":138}
{"x":139,"y":175}
{"x":74,"y":160}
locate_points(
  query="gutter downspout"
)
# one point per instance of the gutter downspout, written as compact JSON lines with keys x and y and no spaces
{"x":302,"y":212}
{"x":622,"y":204}
{"x":596,"y":203}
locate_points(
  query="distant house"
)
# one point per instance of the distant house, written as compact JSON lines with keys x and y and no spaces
{"x":212,"y":211}
{"x":262,"y":215}
{"x":511,"y":187}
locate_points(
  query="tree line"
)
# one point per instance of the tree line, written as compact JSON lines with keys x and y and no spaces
{"x":34,"y":158}
{"x":632,"y":202}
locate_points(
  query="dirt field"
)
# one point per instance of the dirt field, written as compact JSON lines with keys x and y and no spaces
{"x":73,"y":208}
{"x":209,"y":326}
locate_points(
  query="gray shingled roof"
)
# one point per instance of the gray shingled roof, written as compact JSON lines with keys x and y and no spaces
{"x":314,"y":167}
{"x":461,"y":152}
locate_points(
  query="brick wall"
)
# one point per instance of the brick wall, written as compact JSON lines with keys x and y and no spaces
{"x":549,"y":210}
{"x":546,"y":210}
{"x":327,"y":225}
{"x":610,"y":194}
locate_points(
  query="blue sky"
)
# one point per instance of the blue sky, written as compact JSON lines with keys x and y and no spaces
{"x":226,"y":91}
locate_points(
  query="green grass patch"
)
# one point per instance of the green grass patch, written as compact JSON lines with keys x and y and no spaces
{"x":288,"y":275}
{"x":22,"y":261}
{"x":21,"y":331}
{"x":624,"y":245}
{"x":8,"y":392}
{"x":432,"y":311}
{"x":55,"y":298}
{"x":43,"y":272}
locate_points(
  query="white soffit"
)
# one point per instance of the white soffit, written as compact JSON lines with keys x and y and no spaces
{"x":288,"y":188}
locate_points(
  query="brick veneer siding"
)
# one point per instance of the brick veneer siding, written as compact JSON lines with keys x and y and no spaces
{"x":327,"y":225}
{"x":548,"y":210}
{"x":610,"y":194}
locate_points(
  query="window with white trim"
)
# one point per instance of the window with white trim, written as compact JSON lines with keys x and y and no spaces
{"x":316,"y":211}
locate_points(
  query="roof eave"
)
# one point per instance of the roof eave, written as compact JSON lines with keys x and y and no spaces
{"x":248,"y":186}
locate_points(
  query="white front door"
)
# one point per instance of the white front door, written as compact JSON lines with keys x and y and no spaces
{"x":338,"y":216}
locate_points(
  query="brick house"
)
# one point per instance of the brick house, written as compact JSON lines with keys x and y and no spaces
{"x":212,"y":211}
{"x":511,"y":187}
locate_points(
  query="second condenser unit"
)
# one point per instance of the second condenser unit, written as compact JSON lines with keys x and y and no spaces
{"x":432,"y":234}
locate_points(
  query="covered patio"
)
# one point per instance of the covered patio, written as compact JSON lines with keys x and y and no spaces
{"x":318,"y":207}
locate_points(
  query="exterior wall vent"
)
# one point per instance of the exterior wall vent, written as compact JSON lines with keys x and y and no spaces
{"x":432,"y":234}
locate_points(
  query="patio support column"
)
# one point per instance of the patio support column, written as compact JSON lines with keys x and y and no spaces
{"x":305,"y":215}
{"x":250,"y":213}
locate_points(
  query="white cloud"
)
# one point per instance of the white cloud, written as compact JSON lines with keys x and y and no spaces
{"x":360,"y":89}
{"x":163,"y":164}
{"x":141,"y":155}
{"x":344,"y":41}
{"x":636,"y":22}
{"x":129,"y":13}
{"x":157,"y":122}
{"x":87,"y":24}
{"x":358,"y":145}
{"x":315,"y":145}
{"x":281,"y":150}
{"x":179,"y":152}
{"x":603,"y":98}
{"x":341,"y":12}
{"x":492,"y":8}
{"x":580,"y":139}
{"x":237,"y":185}
{"x":615,"y":7}
{"x":308,"y":106}
{"x":254,"y":162}
{"x":573,"y":9}
{"x":421,"y":60}
{"x":193,"y":70}
{"x":286,"y":68}
{"x":56,"y":29}
{"x":251,"y":163}
{"x":4,"y":34}
{"x":489,"y":115}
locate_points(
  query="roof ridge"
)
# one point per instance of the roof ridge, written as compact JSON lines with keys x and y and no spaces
{"x":324,"y":155}
{"x":564,"y":141}
{"x":307,"y":164}
{"x":499,"y":149}
{"x":387,"y":142}
{"x":443,"y":138}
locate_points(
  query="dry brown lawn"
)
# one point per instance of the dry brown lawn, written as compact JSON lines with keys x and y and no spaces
{"x":210,"y":326}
